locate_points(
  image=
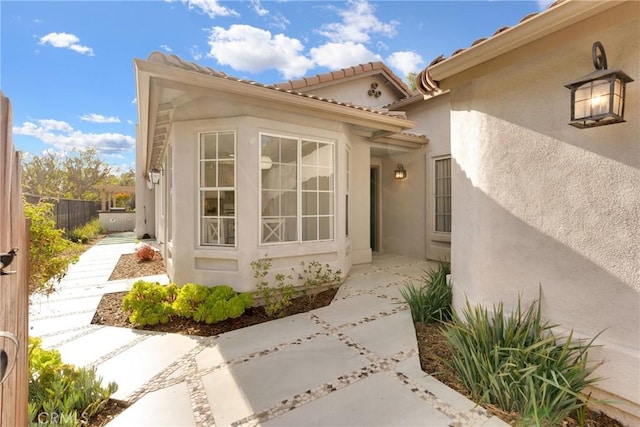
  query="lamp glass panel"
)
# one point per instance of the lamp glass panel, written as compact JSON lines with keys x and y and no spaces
{"x":617,"y":97}
{"x":600,"y":97}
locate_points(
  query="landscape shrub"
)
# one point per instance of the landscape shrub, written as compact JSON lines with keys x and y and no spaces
{"x":430,"y":301}
{"x":145,"y":253}
{"x":314,"y":275}
{"x":50,"y":253}
{"x":516,"y":362}
{"x":85,"y":233}
{"x":61,"y":394}
{"x":151,"y":303}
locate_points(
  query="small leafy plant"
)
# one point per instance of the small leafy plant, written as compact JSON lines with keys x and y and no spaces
{"x":145,"y":253}
{"x":151,"y":303}
{"x":516,"y":362}
{"x":314,"y":275}
{"x":73,"y":395}
{"x":430,"y":302}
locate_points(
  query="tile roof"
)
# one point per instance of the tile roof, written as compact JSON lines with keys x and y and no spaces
{"x":427,"y":86}
{"x":345,"y":73}
{"x":176,"y":61}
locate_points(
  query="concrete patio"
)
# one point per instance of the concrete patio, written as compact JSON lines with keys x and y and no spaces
{"x":352,"y":363}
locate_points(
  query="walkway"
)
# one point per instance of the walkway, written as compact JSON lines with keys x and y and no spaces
{"x":354,"y":362}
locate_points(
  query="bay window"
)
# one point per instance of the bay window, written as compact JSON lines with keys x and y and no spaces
{"x":217,"y":172}
{"x":297,"y":189}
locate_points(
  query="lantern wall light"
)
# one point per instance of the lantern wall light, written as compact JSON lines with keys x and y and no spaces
{"x":597,"y":99}
{"x":401,"y":172}
{"x":154,"y":177}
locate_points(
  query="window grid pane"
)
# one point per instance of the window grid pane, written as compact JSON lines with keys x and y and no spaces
{"x":217,"y":189}
{"x":297,"y":190}
{"x":443,"y":195}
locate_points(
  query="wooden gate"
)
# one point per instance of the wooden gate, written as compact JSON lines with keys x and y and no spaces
{"x":14,"y":284}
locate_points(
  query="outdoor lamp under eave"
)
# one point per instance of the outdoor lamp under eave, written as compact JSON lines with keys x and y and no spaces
{"x":154,"y":176}
{"x":597,"y":99}
{"x":401,"y":172}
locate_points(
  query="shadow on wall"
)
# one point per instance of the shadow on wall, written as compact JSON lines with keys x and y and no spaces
{"x":497,"y":255}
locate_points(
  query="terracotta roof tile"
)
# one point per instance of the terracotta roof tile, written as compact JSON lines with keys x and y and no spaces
{"x":176,"y":61}
{"x":344,"y":73}
{"x":426,"y":85}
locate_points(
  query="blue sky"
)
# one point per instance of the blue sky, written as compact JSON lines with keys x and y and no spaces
{"x":67,"y":66}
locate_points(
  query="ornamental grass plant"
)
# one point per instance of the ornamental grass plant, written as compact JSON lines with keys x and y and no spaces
{"x":431,"y":300}
{"x":515,"y":362}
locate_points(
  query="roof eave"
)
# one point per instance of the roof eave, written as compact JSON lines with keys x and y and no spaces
{"x":349,"y":114}
{"x":536,"y":27}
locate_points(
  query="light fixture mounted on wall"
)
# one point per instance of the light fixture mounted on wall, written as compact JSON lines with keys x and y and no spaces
{"x":597,"y":99}
{"x":401,"y":172}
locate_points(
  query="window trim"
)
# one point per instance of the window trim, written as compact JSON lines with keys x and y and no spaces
{"x":299,"y":216}
{"x":444,"y":235}
{"x":200,"y":189}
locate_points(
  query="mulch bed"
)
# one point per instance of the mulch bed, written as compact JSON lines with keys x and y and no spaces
{"x":128,"y":267}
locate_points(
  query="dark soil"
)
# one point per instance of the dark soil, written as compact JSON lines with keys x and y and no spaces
{"x":128,"y":267}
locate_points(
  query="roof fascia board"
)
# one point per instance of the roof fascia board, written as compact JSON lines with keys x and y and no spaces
{"x":252,"y":91}
{"x":536,"y":27}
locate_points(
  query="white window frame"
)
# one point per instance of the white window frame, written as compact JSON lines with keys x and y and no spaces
{"x":347,"y":220}
{"x":220,"y":215}
{"x":434,"y":213}
{"x":299,"y":191}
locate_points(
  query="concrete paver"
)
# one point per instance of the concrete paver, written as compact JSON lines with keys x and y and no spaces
{"x":354,"y":362}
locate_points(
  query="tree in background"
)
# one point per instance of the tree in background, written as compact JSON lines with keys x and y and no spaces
{"x":411,"y":81}
{"x":70,"y":176}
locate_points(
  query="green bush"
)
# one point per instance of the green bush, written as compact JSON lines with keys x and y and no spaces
{"x":85,"y":233}
{"x":149,"y":303}
{"x":516,"y":363}
{"x":430,"y":302}
{"x":50,"y":253}
{"x":60,"y":393}
{"x":189,"y":297}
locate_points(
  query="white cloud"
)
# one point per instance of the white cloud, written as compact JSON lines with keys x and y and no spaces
{"x":66,"y":41}
{"x":130,"y":122}
{"x":166,"y":48}
{"x":251,"y":49}
{"x":195,"y":52}
{"x":257,"y":7}
{"x":134,"y":101}
{"x":63,"y":137}
{"x":210,"y":7}
{"x":406,"y":62}
{"x":341,"y":55}
{"x":544,"y":4}
{"x":358,"y":22}
{"x":99,"y":118}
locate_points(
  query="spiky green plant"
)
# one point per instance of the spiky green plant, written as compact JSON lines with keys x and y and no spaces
{"x":431,"y":301}
{"x":514,"y":361}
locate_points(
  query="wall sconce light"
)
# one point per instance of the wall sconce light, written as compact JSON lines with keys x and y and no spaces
{"x":154,"y":177}
{"x":401,"y":172}
{"x":597,"y":99}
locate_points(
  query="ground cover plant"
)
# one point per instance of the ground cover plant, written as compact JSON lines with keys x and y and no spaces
{"x":61,"y":394}
{"x":516,"y":362}
{"x":150,"y":303}
{"x":86,"y":233}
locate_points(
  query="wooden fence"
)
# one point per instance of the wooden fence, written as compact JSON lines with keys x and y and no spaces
{"x":14,"y":287}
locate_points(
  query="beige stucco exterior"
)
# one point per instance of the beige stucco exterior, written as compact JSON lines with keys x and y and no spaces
{"x":542,"y":206}
{"x":181,"y":101}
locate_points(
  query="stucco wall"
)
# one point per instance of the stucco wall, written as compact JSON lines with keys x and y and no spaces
{"x":231,"y":265}
{"x":356,"y":91}
{"x":538,"y":203}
